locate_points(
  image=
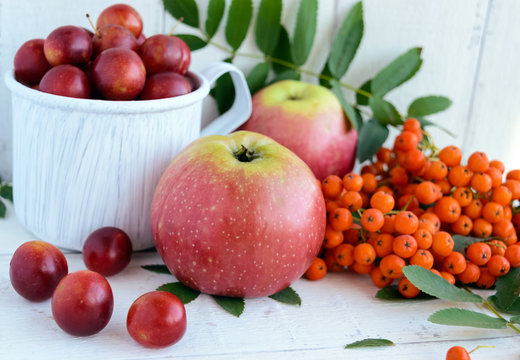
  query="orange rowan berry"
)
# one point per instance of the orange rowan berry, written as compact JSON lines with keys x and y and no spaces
{"x":460,"y":175}
{"x":407,"y":289}
{"x":340,"y":219}
{"x":514,"y":187}
{"x":478,"y":162}
{"x":353,"y":182}
{"x":442,"y":243}
{"x":362,"y":269}
{"x":448,"y":277}
{"x":407,"y":202}
{"x":424,"y":238}
{"x":481,"y":182}
{"x":454,"y":263}
{"x":408,"y":189}
{"x":457,"y":353}
{"x":379,"y":279}
{"x":497,"y":247}
{"x":385,"y":189}
{"x":330,"y":206}
{"x":380,"y":168}
{"x":498,"y":265}
{"x":383,"y":244}
{"x":462,"y":226}
{"x":463,"y":195}
{"x":474,"y":209}
{"x":505,"y":230}
{"x":478,"y":253}
{"x":364,"y":254}
{"x":330,"y":261}
{"x":426,"y":193}
{"x":365,"y":198}
{"x":344,"y":254}
{"x":508,"y":214}
{"x":450,"y":155}
{"x":482,"y":228}
{"x":422,"y":258}
{"x":398,"y":176}
{"x":413,"y":125}
{"x":388,"y":225}
{"x":437,"y":170}
{"x":414,"y":160}
{"x":470,"y":274}
{"x":497,"y":164}
{"x":436,"y":272}
{"x":332,"y":186}
{"x":406,"y":141}
{"x":368,"y":169}
{"x":332,"y":237}
{"x":432,"y":219}
{"x":502,"y":195}
{"x":485,"y":280}
{"x":382,"y":201}
{"x":384,"y":155}
{"x":493,"y":212}
{"x":317,"y":270}
{"x":513,"y":174}
{"x":444,"y":185}
{"x":406,"y":222}
{"x":369,"y":183}
{"x":447,"y":209}
{"x":404,"y":246}
{"x":495,"y":175}
{"x":392,"y":266}
{"x":372,"y":219}
{"x":418,"y":211}
{"x":351,"y":200}
{"x":351,"y":236}
{"x":512,"y":254}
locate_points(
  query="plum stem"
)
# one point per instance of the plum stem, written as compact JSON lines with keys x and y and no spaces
{"x":93,"y":27}
{"x":175,"y":26}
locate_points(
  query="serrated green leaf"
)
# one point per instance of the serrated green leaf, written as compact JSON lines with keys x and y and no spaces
{"x":461,"y":243}
{"x":514,"y":308}
{"x":282,"y":51}
{"x":347,"y":41}
{"x":463,"y":317}
{"x":508,"y":288}
{"x":391,"y":292}
{"x":193,"y":42}
{"x":239,"y":18}
{"x":6,"y":191}
{"x":425,"y":122}
{"x":397,"y":72}
{"x":224,"y":92}
{"x":286,"y":75}
{"x":369,"y":343}
{"x":427,"y":105}
{"x":183,"y":292}
{"x":186,"y":9}
{"x":304,"y":31}
{"x":160,"y":269}
{"x":233,"y":305}
{"x":384,"y":112}
{"x":371,"y":136}
{"x":326,"y":72}
{"x":257,"y":78}
{"x":515,"y":319}
{"x":215,"y":13}
{"x":287,"y":296}
{"x":347,"y":108}
{"x":267,"y":27}
{"x":437,"y":286}
{"x":362,"y":99}
{"x":3,"y":209}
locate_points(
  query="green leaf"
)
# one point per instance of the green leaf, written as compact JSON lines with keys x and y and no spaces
{"x":369,"y":343}
{"x":257,"y":78}
{"x":425,"y":122}
{"x":224,"y":92}
{"x":282,"y":51}
{"x":391,"y":292}
{"x":287,"y":296}
{"x":3,"y":209}
{"x":437,"y":286}
{"x":286,"y":75}
{"x":347,"y":41}
{"x":160,"y":269}
{"x":362,"y":99}
{"x":463,"y":317}
{"x":239,"y":17}
{"x":233,"y":305}
{"x":186,"y":9}
{"x":193,"y":42}
{"x":326,"y":72}
{"x":371,"y":137}
{"x":6,"y":191}
{"x":461,"y":243}
{"x":512,"y":309}
{"x":508,"y":288}
{"x":347,"y":108}
{"x":384,"y":112}
{"x":515,"y":319}
{"x":428,"y":105}
{"x":215,"y":13}
{"x":397,"y":72}
{"x":305,"y":30}
{"x":183,"y":292}
{"x":267,"y":27}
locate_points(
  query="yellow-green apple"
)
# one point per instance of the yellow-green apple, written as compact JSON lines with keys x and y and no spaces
{"x":309,"y":120}
{"x":238,"y":215}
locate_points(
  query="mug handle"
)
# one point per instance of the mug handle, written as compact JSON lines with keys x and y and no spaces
{"x":242,"y":106}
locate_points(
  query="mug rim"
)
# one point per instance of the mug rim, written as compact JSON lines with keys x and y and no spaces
{"x":108,"y":106}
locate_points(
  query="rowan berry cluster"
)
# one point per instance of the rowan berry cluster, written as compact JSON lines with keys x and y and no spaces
{"x":405,"y":207}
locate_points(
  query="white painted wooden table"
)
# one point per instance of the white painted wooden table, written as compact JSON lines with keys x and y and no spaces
{"x":335,"y":311}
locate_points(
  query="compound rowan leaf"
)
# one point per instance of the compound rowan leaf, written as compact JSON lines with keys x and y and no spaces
{"x":428,"y":105}
{"x":267,"y":27}
{"x":369,"y":343}
{"x":186,"y":9}
{"x":508,"y":289}
{"x":239,"y":18}
{"x":371,"y":136}
{"x":215,"y":13}
{"x":257,"y":77}
{"x":463,"y":317}
{"x":305,"y":30}
{"x":193,"y":42}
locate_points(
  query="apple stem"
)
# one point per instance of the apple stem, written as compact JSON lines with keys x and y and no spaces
{"x":93,"y":27}
{"x":244,"y":154}
{"x":175,"y":26}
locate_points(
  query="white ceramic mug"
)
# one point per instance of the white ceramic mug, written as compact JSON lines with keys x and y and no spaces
{"x":82,"y":164}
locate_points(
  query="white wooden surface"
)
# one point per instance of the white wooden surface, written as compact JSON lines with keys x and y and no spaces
{"x":470,"y":51}
{"x":337,"y":310}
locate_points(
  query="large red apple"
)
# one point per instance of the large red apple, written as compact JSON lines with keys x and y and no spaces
{"x":307,"y":119}
{"x":238,"y":215}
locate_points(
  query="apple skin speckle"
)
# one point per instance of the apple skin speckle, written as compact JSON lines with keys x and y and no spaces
{"x":232,"y":228}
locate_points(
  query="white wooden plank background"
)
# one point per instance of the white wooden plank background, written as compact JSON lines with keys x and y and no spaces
{"x":470,"y":51}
